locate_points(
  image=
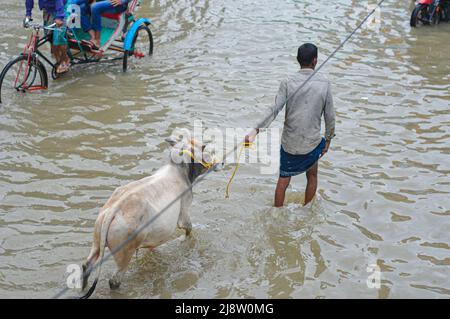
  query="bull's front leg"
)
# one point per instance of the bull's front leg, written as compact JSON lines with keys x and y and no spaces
{"x":184,"y":221}
{"x":187,"y":226}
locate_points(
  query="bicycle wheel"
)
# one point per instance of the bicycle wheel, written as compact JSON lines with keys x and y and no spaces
{"x":21,"y":75}
{"x":418,"y":15}
{"x":141,"y":47}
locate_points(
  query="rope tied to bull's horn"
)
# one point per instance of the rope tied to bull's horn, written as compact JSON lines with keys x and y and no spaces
{"x":203,"y":163}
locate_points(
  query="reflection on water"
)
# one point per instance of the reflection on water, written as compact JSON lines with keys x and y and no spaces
{"x":383,"y":188}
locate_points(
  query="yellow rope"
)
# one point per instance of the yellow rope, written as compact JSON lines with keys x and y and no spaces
{"x":243,"y":145}
{"x":204,"y":164}
{"x":209,"y":165}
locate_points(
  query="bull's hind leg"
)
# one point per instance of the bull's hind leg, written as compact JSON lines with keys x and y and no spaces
{"x":118,"y":234}
{"x":122,"y":258}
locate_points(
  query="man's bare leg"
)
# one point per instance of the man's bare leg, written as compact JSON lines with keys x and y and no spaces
{"x":280,"y":192}
{"x":61,"y":58}
{"x":64,"y":57}
{"x":56,"y":53}
{"x":91,"y":34}
{"x":311,"y":185}
{"x":97,"y":38}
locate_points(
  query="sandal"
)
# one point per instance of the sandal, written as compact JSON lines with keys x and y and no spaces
{"x":63,"y":68}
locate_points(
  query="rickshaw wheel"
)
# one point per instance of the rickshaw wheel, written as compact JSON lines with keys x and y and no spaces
{"x":35,"y":78}
{"x":142,"y":45}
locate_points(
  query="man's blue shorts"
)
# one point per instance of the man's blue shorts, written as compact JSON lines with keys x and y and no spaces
{"x":291,"y":165}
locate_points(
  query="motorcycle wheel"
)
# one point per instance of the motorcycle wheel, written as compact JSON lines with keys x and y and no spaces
{"x":418,"y":15}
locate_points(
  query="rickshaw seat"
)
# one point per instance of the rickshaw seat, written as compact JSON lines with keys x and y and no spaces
{"x":113,"y":16}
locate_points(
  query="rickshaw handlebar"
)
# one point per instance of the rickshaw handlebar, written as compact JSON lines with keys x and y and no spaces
{"x":27,"y":23}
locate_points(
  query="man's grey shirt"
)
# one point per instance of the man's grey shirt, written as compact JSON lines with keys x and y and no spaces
{"x":301,"y":132}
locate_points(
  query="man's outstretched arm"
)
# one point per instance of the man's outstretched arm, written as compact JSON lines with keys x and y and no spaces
{"x":270,"y":116}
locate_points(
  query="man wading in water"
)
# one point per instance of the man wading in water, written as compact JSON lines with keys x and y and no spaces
{"x":301,"y":144}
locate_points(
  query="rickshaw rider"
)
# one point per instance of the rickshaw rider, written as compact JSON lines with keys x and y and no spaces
{"x":107,"y":6}
{"x":54,"y":11}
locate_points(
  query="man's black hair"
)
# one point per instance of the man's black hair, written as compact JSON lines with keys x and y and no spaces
{"x":306,"y":54}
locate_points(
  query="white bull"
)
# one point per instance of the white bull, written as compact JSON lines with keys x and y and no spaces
{"x":133,"y":205}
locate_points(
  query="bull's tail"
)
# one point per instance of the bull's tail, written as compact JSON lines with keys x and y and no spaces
{"x":109,"y":216}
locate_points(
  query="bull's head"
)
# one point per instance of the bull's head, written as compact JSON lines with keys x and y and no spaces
{"x":196,"y":157}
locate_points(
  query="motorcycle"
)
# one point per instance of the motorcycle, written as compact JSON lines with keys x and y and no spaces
{"x":429,"y":12}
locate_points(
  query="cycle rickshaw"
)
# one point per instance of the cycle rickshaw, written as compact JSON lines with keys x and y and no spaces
{"x":123,"y":37}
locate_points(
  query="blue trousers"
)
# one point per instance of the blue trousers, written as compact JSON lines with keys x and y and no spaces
{"x":101,"y":7}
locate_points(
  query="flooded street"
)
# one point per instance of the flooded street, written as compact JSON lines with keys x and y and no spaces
{"x":384,"y":186}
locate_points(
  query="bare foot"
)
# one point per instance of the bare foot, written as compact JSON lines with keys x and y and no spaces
{"x":96,"y":42}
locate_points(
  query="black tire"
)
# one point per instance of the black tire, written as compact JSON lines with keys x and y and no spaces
{"x":447,"y":12}
{"x":125,"y":60}
{"x":417,"y":15}
{"x":143,"y":39}
{"x":55,"y":75}
{"x":36,"y":77}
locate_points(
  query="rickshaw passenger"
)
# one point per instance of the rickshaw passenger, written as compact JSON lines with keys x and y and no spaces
{"x":54,"y":11}
{"x":106,"y":6}
{"x":85,"y":16}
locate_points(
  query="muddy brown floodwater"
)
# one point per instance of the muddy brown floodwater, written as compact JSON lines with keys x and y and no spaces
{"x":384,"y":186}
